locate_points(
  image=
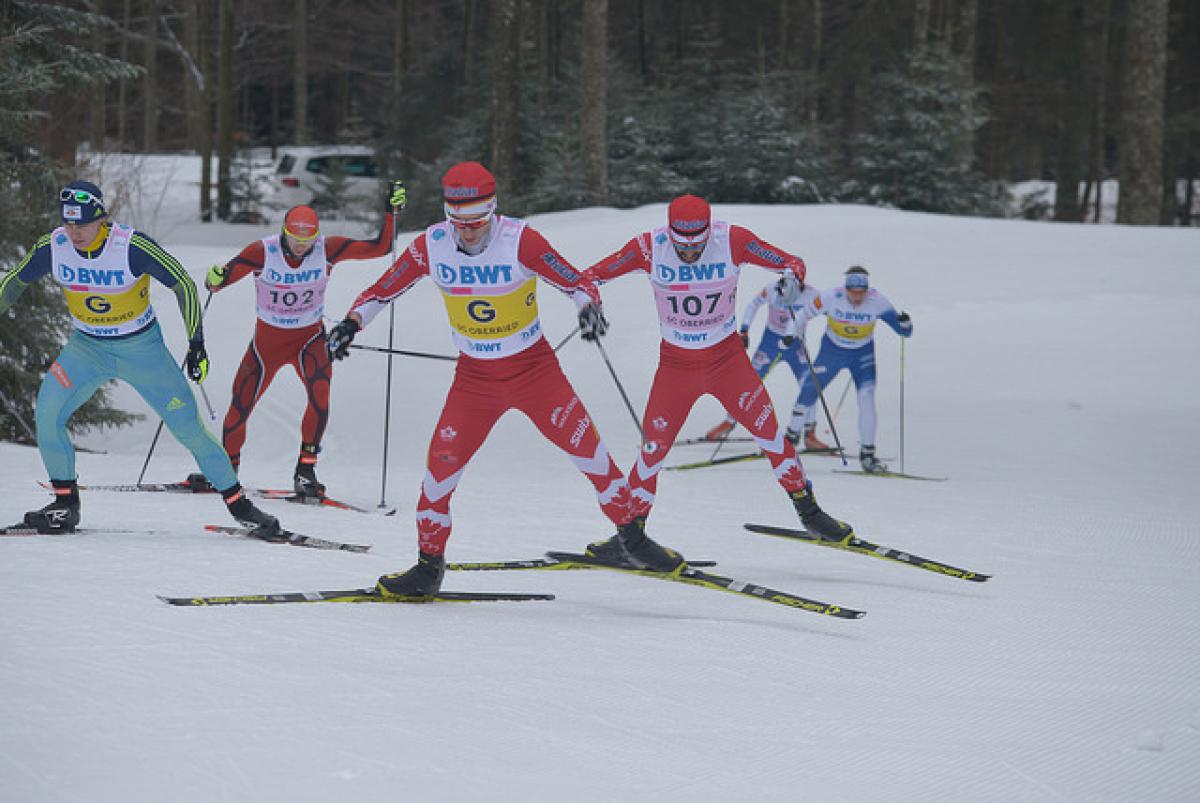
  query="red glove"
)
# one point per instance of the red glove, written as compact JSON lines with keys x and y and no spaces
{"x":798,"y":269}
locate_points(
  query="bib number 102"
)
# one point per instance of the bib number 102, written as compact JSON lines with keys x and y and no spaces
{"x":289,"y":298}
{"x":694,"y":305}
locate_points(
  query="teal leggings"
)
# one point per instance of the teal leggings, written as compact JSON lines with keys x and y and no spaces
{"x":143,"y":361}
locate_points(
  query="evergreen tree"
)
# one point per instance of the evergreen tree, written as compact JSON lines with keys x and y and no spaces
{"x":917,"y":151}
{"x":39,"y":54}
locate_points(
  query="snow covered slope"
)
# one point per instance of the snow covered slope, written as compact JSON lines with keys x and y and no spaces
{"x":1052,"y":377}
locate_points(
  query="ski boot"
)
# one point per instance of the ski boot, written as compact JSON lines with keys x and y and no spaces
{"x":812,"y":443}
{"x":720,"y":431}
{"x":262,"y":525}
{"x":198,"y":484}
{"x":61,"y":515}
{"x":422,"y":580}
{"x":793,"y":437}
{"x":817,"y":521}
{"x":631,"y":547}
{"x":304,"y":478}
{"x":870,"y":464}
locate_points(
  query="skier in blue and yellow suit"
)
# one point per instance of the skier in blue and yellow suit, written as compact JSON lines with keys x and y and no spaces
{"x":104,"y":268}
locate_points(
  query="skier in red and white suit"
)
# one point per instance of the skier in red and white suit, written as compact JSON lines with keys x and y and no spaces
{"x":486,"y":266}
{"x":694,"y":263}
{"x":291,"y":271}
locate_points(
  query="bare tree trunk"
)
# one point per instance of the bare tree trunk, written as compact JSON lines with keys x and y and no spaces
{"x":1098,"y":23}
{"x":193,"y":85}
{"x":785,"y":34}
{"x":643,"y":44}
{"x":300,"y":72}
{"x":814,"y":67}
{"x":123,"y":85}
{"x":1072,"y":130}
{"x":921,"y":10}
{"x":399,"y":52}
{"x":150,"y":79}
{"x":1142,"y":113}
{"x":968,"y":26}
{"x":505,"y":37}
{"x":99,"y":95}
{"x":203,"y":11}
{"x":468,"y":43}
{"x":225,"y":110}
{"x":593,"y":105}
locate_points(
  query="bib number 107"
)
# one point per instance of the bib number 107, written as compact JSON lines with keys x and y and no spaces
{"x":694,"y":305}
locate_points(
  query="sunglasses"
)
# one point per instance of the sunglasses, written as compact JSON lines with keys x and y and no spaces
{"x":79,"y":197}
{"x":477,"y":223}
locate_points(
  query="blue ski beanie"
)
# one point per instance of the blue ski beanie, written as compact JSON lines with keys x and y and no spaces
{"x":82,"y":202}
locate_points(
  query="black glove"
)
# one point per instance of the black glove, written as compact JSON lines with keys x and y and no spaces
{"x":903,"y":319}
{"x":197,"y":361}
{"x":787,"y":341}
{"x":340,"y":337}
{"x":592,"y":323}
{"x":745,"y":336}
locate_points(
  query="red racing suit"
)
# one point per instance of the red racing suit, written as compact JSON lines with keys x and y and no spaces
{"x":700,"y":351}
{"x":290,"y":294}
{"x":504,"y":363}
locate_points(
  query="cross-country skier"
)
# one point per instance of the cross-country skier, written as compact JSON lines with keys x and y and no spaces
{"x":104,"y":268}
{"x":291,"y":270}
{"x":486,"y":266}
{"x":694,"y":263}
{"x":849,"y":343}
{"x":785,"y":300}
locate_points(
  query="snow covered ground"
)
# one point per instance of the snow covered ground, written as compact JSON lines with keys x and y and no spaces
{"x":1052,"y":377}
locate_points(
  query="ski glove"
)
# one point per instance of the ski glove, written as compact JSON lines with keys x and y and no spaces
{"x":592,"y":323}
{"x":745,"y":336}
{"x":197,"y":361}
{"x":905,"y":321}
{"x":216,"y":276}
{"x":397,"y":195}
{"x":340,"y":337}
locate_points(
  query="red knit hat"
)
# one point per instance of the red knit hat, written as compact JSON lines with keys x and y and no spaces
{"x":689,"y":218}
{"x":468,"y":183}
{"x":301,"y":224}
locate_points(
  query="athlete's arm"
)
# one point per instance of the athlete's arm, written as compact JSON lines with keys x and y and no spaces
{"x":746,"y":246}
{"x":34,"y":266}
{"x":901,"y":323}
{"x":634,"y":255}
{"x":407,"y":270}
{"x":535,"y":253}
{"x":338,"y":249}
{"x":148,"y":257}
{"x":250,"y":260}
{"x":753,"y":307}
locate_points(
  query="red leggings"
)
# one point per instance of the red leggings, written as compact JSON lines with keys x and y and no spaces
{"x":483,"y":390}
{"x":683,"y":376}
{"x":271,"y":349}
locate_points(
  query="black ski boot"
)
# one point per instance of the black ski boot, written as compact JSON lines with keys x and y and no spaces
{"x":866,"y":457}
{"x":304,"y":478}
{"x":198,"y":484}
{"x":422,"y":580}
{"x":61,"y":515}
{"x":262,"y":525}
{"x":817,"y":521}
{"x":631,"y":547}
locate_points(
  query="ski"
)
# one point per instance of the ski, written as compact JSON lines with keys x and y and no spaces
{"x":693,"y":576}
{"x":741,"y":458}
{"x":318,"y":501}
{"x":151,"y":487}
{"x":537,"y":563}
{"x":862,"y":547}
{"x":290,"y":538}
{"x":898,"y":475}
{"x":702,"y":440}
{"x":25,"y":529}
{"x":352,"y":595}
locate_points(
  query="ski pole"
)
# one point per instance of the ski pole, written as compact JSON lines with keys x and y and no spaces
{"x":845,"y":392}
{"x":563,"y":342}
{"x":621,"y":388}
{"x":387,"y":396}
{"x":158,"y":430}
{"x":812,"y":371}
{"x":902,"y":404}
{"x":12,"y":410}
{"x":404,"y":353}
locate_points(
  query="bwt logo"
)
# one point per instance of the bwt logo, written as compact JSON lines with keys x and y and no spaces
{"x":474,"y":274}
{"x":92,"y":276}
{"x":294,"y":277}
{"x":701,"y":272}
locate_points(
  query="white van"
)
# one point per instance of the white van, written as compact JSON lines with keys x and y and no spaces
{"x":315,"y":174}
